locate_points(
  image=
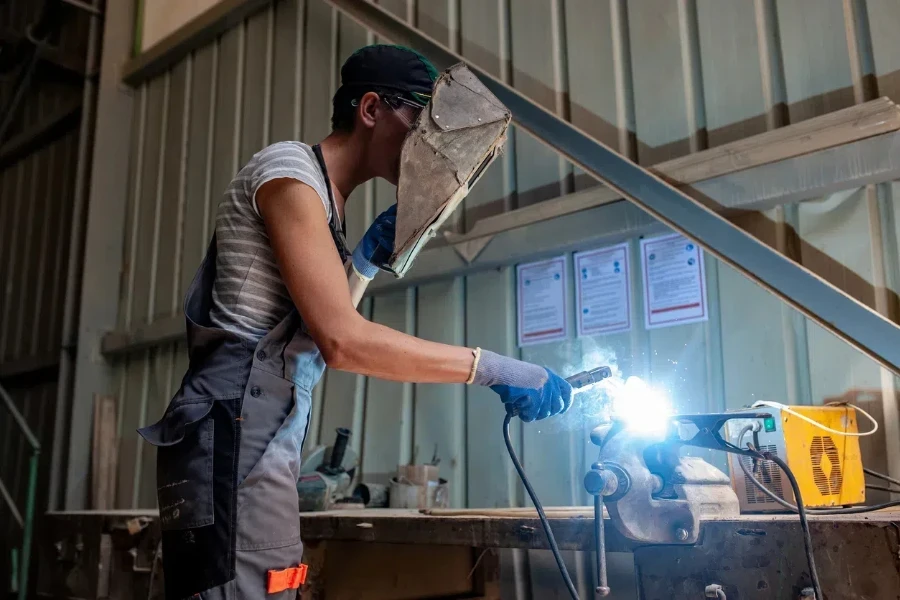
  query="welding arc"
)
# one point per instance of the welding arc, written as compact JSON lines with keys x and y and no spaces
{"x":540,"y":509}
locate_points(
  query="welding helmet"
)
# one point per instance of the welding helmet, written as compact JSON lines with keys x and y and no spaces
{"x":459,"y":132}
{"x":454,"y":140}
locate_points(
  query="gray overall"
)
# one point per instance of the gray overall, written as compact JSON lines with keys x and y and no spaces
{"x":228,"y":450}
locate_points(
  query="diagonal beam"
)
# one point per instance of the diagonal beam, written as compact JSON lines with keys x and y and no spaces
{"x":820,"y":301}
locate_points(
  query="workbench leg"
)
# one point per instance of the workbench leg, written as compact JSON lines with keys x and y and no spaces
{"x":486,"y":575}
{"x":314,"y":559}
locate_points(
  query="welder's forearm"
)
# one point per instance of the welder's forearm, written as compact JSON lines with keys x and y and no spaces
{"x":378,"y":351}
{"x":357,"y":284}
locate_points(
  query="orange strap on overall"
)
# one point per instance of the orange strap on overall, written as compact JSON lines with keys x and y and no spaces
{"x":288,"y":579}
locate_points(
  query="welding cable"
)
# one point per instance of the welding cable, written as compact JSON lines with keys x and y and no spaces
{"x":790,"y":411}
{"x":882,"y":488}
{"x":540,"y":509}
{"x":800,"y":509}
{"x":881,"y":476}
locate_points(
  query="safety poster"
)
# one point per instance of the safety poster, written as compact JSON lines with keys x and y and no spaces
{"x":674,"y":281}
{"x":541,"y":301}
{"x":603,"y":290}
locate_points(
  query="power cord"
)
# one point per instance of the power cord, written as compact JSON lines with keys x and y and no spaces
{"x":799,"y":509}
{"x":540,"y":509}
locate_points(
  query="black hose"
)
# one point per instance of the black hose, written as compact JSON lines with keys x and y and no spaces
{"x":540,"y":509}
{"x":804,"y":523}
{"x":881,"y":476}
{"x":799,"y":508}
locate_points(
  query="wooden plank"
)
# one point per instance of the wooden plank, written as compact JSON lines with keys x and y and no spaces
{"x":287,"y":87}
{"x":410,"y":527}
{"x":256,"y":83}
{"x":388,"y":413}
{"x":440,"y":410}
{"x":198,"y":159}
{"x":103,"y":453}
{"x":172,"y":195}
{"x":536,"y":35}
{"x":382,"y":571}
{"x":860,"y":122}
{"x":144,"y":336}
{"x":816,"y":68}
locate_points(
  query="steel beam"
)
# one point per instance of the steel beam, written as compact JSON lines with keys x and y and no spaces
{"x":822,"y":302}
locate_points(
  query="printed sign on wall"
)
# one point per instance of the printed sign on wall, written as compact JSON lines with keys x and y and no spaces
{"x":674,"y":281}
{"x":541,"y":301}
{"x":604,"y":290}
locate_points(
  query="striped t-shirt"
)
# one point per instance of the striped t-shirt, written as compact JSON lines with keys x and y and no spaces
{"x":249,"y":296}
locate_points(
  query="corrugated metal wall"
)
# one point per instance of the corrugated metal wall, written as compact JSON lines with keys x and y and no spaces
{"x":653,"y":78}
{"x":36,"y":198}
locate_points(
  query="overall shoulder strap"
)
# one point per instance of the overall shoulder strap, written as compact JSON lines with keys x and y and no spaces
{"x":338,"y":229}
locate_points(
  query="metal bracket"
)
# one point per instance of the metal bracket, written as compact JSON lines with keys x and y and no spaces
{"x":710,"y":424}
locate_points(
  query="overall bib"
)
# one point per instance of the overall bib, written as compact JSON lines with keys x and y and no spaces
{"x":228,"y":451}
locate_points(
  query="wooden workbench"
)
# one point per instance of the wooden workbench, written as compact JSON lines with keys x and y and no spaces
{"x":753,"y":556}
{"x":388,"y":554}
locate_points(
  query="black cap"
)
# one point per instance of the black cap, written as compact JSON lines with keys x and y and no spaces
{"x":389,"y":67}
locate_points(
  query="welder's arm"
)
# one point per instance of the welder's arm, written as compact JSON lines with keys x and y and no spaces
{"x":318,"y":284}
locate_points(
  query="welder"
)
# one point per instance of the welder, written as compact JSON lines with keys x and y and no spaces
{"x":272,"y":304}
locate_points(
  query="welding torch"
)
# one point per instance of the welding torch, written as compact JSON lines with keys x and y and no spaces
{"x":586,"y":378}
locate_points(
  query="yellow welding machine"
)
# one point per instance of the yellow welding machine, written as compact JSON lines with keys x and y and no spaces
{"x":827,"y":465}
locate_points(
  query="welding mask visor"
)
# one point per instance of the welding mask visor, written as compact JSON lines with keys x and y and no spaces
{"x":453,"y":141}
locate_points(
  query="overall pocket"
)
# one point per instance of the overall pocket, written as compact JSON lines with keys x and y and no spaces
{"x":184,"y":464}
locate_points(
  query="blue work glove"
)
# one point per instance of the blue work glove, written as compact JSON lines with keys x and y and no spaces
{"x":375,"y":248}
{"x":528,"y":390}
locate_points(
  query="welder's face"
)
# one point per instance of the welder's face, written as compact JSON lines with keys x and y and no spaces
{"x":391,"y":122}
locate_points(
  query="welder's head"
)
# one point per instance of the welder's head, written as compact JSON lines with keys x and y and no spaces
{"x":383,"y":90}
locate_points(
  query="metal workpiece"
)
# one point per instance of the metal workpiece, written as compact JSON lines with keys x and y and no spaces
{"x":849,"y":319}
{"x":653,"y":495}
